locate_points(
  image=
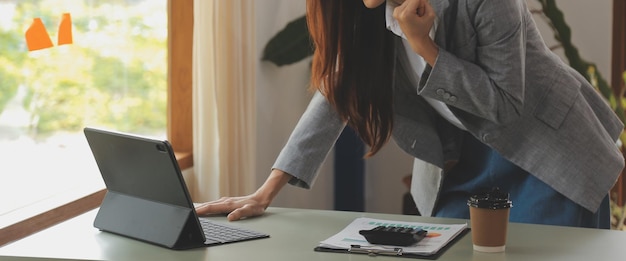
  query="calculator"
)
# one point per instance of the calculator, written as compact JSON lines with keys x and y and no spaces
{"x":393,"y":235}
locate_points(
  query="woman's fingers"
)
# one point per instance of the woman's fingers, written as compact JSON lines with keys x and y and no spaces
{"x":416,"y":18}
{"x":428,"y":10}
{"x":236,"y":207}
{"x":220,"y":206}
{"x":409,"y":9}
{"x":248,"y":210}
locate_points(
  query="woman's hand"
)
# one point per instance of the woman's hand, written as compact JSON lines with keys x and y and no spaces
{"x":416,"y":19}
{"x":236,"y":207}
{"x":250,"y":205}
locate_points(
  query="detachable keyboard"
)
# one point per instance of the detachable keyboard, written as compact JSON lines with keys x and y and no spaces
{"x":218,"y":233}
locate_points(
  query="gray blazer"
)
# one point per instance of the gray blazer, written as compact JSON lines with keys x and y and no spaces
{"x":508,"y":89}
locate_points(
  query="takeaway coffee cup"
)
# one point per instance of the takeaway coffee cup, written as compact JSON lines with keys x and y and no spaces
{"x":489,"y":218}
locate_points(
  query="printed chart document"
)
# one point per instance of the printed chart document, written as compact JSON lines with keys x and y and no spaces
{"x":349,"y":240}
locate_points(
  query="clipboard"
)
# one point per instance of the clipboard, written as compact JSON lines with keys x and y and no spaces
{"x":396,"y":251}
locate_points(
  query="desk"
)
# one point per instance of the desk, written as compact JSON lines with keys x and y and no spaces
{"x":295,"y":232}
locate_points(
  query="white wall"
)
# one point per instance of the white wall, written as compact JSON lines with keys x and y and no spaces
{"x":282,"y":97}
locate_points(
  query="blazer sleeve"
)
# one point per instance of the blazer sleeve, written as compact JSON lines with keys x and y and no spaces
{"x":482,"y":71}
{"x":310,"y":142}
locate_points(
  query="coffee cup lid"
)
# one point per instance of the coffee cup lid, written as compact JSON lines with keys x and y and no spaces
{"x":492,"y":199}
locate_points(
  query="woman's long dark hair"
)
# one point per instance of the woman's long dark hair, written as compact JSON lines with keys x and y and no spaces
{"x":353,"y":65}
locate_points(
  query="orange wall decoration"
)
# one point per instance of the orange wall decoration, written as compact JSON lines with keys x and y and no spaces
{"x":65,"y":30}
{"x":37,"y":37}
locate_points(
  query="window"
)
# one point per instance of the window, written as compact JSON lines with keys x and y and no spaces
{"x":123,"y":71}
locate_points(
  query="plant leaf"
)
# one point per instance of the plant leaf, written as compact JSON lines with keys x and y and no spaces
{"x":290,"y":45}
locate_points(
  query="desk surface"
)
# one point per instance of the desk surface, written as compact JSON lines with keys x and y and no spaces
{"x":295,"y":232}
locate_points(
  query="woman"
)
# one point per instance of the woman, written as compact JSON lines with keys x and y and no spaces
{"x":471,"y":91}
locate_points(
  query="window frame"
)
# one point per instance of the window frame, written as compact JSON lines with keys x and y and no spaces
{"x":618,"y":66}
{"x":179,"y":123}
{"x":179,"y":105}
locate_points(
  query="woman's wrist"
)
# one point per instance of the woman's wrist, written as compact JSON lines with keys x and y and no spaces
{"x":428,"y":49}
{"x":273,"y":184}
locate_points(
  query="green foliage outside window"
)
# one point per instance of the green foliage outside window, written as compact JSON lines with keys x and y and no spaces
{"x":113,"y":75}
